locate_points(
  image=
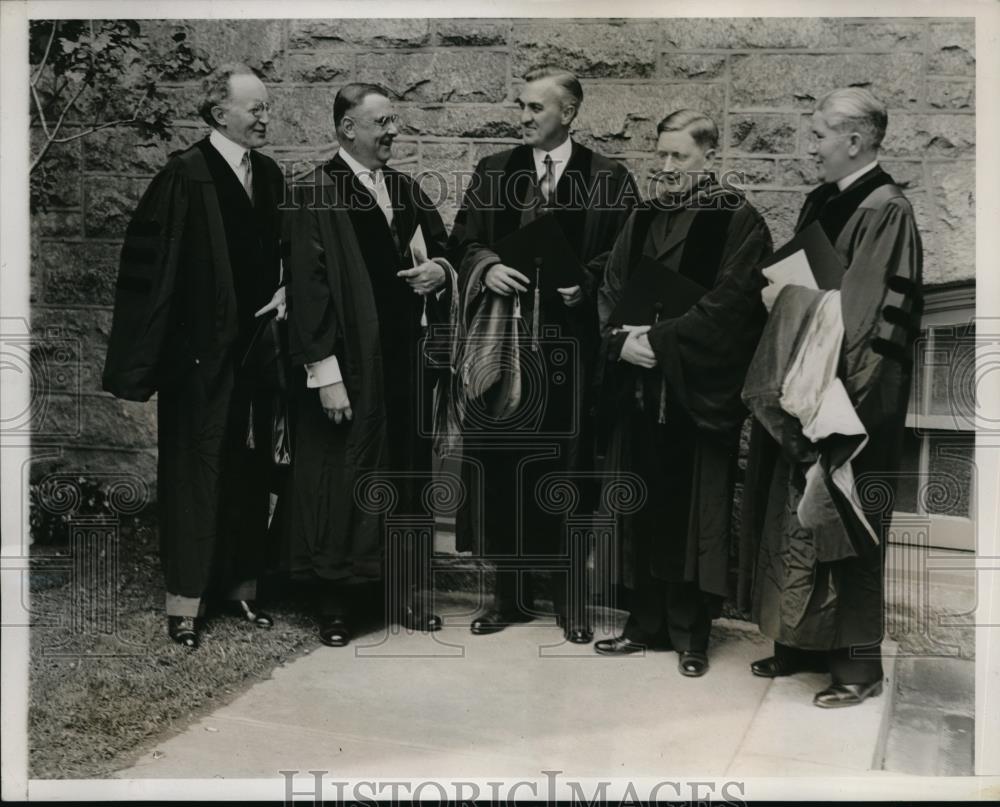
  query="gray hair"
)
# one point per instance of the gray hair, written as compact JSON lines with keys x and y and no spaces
{"x":215,"y":88}
{"x":566,"y":81}
{"x":854,"y":109}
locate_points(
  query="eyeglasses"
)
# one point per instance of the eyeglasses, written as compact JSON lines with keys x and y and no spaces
{"x":386,"y":121}
{"x":261,"y":109}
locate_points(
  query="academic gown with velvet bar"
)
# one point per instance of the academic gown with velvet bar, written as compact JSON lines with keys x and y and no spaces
{"x":797,"y":600}
{"x":591,"y":202}
{"x":681,"y":532}
{"x":346,"y":300}
{"x":198,"y":260}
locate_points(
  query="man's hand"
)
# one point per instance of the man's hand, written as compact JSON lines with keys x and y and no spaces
{"x":335,"y":402}
{"x":425,"y":278}
{"x":277,"y":304}
{"x":505,"y":281}
{"x":636,"y":349}
{"x":572,"y":296}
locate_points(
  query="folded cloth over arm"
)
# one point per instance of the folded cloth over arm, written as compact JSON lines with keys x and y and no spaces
{"x":793,"y":389}
{"x":812,"y":392}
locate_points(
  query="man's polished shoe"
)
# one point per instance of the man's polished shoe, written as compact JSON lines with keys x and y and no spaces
{"x":420,"y":620}
{"x":494,"y":622}
{"x":837,"y":696}
{"x":692,"y":663}
{"x":183,"y":631}
{"x":247,"y":611}
{"x":623,"y":646}
{"x":334,"y":632}
{"x":774,"y":667}
{"x":578,"y":635}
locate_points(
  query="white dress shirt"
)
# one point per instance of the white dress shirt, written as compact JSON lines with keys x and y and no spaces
{"x":560,"y":156}
{"x":374,"y":182}
{"x":327,"y":371}
{"x":844,"y":182}
{"x":231,"y":152}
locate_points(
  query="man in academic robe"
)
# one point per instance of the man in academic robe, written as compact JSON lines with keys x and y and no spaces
{"x":825,"y":614}
{"x":590,"y":197}
{"x":366,"y":268}
{"x":671,"y":392}
{"x":201,"y":257}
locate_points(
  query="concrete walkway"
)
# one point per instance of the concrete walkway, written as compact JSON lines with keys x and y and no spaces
{"x":520,"y":702}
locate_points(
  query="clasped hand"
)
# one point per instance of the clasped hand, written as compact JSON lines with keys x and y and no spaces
{"x":504,"y":280}
{"x":425,"y":278}
{"x":636,"y":349}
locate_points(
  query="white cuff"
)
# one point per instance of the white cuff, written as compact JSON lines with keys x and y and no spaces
{"x":323,"y":373}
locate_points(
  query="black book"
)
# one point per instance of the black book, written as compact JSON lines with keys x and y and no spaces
{"x":653,"y":292}
{"x":540,"y":249}
{"x":824,"y":262}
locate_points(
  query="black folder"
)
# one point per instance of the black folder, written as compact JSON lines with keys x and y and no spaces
{"x":541,"y":245}
{"x":826,"y":266}
{"x":655,"y":292}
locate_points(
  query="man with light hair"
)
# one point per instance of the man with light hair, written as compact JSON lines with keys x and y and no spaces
{"x":671,"y":391}
{"x":201,"y":260}
{"x":589,"y":197}
{"x":818,"y":589}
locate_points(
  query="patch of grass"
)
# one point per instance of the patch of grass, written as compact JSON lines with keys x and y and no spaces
{"x":98,"y":700}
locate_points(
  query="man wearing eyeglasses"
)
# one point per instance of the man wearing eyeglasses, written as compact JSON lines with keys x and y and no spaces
{"x":367,"y":274}
{"x":201,"y":258}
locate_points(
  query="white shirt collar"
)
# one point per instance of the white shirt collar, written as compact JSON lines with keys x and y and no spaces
{"x":845,"y":182}
{"x":362,"y":173}
{"x":560,"y":156}
{"x":231,"y":152}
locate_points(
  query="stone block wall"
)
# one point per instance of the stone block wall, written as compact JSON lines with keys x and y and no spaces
{"x":456,"y":81}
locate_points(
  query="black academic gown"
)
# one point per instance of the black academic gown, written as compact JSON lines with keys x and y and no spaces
{"x":197,"y":261}
{"x":681,"y":533}
{"x":345,"y":300}
{"x":797,"y":600}
{"x":503,"y":514}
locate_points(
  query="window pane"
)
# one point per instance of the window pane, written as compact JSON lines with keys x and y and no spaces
{"x":948,"y":488}
{"x":909,"y":470}
{"x":953,"y":374}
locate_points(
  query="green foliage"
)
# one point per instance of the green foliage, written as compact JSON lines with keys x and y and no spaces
{"x":89,"y":75}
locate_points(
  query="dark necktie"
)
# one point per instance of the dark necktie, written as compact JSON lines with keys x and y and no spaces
{"x":247,"y":174}
{"x":548,"y":181}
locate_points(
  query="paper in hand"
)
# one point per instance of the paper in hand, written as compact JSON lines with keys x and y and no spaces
{"x":418,"y":253}
{"x":793,"y":270}
{"x":418,"y":247}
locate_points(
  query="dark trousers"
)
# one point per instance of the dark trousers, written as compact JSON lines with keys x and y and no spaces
{"x":678,"y":613}
{"x":863,"y":666}
{"x":213,"y":489}
{"x":515,"y":593}
{"x":404,"y":585}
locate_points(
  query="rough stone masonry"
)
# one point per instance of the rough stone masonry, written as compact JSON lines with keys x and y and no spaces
{"x":456,"y":81}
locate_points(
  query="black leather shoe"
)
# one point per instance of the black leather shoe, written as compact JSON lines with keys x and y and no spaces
{"x":774,"y":667}
{"x":692,"y":663}
{"x":334,"y":632}
{"x":247,"y":611}
{"x":494,"y":622}
{"x":840,"y":695}
{"x":623,"y":646}
{"x":183,"y":631}
{"x":418,"y":620}
{"x":578,"y":635}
